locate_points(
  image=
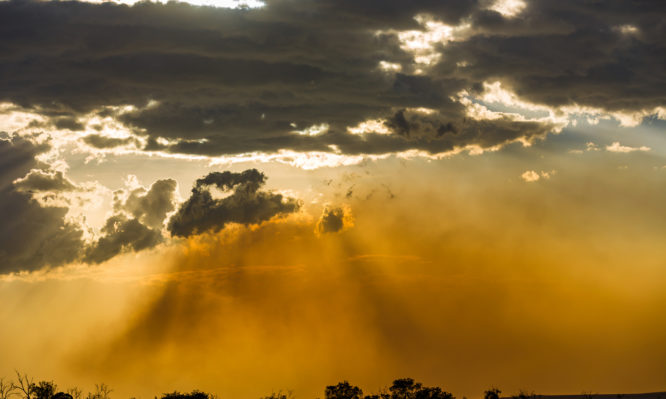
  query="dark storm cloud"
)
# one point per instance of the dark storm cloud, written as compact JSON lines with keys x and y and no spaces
{"x":31,"y":236}
{"x":233,"y":81}
{"x":566,"y":52}
{"x":245,"y":203}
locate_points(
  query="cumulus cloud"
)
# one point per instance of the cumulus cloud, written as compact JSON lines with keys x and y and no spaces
{"x":151,"y":206}
{"x":36,"y":231}
{"x":34,"y":235}
{"x":244,"y":203}
{"x":31,"y":236}
{"x":137,"y":221}
{"x":121,"y":235}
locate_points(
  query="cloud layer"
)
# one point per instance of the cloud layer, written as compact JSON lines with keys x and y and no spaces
{"x":227,"y":81}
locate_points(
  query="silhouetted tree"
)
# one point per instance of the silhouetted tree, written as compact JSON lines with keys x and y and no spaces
{"x":492,"y":393}
{"x":75,"y":393}
{"x":404,"y":388}
{"x":102,"y":391}
{"x":343,"y":391}
{"x":7,"y":389}
{"x":23,"y":385}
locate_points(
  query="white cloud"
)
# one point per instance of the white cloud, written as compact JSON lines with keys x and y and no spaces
{"x":389,"y":66}
{"x":617,"y":147}
{"x":508,"y":8}
{"x":314,"y":130}
{"x":531,"y":176}
{"x":627,"y":29}
{"x":375,"y":126}
{"x":495,"y":94}
{"x":422,"y":43}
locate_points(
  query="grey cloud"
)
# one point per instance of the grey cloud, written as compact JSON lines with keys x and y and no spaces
{"x":137,"y":221}
{"x":98,"y":141}
{"x":121,"y":235}
{"x":245,"y":203}
{"x":576,"y":53}
{"x":67,"y":123}
{"x":31,"y":236}
{"x":40,"y":180}
{"x":233,"y":81}
{"x":150,"y":207}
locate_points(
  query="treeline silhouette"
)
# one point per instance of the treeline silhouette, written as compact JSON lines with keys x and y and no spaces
{"x":24,"y":387}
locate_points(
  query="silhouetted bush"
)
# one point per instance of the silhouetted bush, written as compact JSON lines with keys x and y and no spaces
{"x":524,"y":395}
{"x":343,"y":391}
{"x":62,"y":395}
{"x":192,"y":395}
{"x":407,"y":388}
{"x":279,"y":395}
{"x":492,"y":393}
{"x":23,"y":387}
{"x":432,"y":393}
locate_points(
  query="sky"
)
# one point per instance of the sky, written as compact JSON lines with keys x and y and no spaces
{"x":244,"y":197}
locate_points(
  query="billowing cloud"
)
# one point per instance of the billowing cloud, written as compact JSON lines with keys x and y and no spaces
{"x":120,"y":235}
{"x":149,"y":207}
{"x":244,"y":203}
{"x":36,"y":231}
{"x":137,"y":221}
{"x":31,"y":236}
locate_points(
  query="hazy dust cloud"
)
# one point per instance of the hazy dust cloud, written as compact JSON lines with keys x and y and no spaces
{"x":449,"y":292}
